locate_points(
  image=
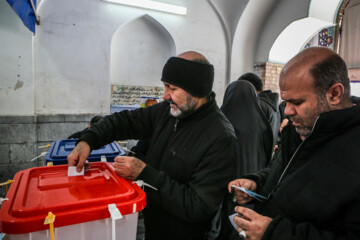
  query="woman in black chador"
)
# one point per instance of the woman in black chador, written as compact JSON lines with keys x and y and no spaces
{"x":242,"y":108}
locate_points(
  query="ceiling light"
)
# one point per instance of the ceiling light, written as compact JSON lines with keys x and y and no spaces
{"x":153,"y":5}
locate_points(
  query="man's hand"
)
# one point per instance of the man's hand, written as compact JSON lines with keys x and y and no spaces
{"x":128,"y":167}
{"x":283,"y":124}
{"x":240,"y":196}
{"x":78,"y":155}
{"x":251,"y":222}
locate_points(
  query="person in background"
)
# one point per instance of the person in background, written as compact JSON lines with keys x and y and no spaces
{"x":282,"y":106}
{"x":93,"y":120}
{"x":190,"y":157}
{"x":312,"y":184}
{"x":284,"y":120}
{"x":242,"y":107}
{"x":269,"y":102}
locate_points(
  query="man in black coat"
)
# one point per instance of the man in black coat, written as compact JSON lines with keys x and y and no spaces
{"x":312,"y":185}
{"x":191,"y":154}
{"x":93,"y":120}
{"x":269,"y":102}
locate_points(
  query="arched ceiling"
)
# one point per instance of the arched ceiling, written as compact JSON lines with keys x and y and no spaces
{"x":322,"y":13}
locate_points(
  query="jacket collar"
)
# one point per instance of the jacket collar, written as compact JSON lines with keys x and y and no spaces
{"x":329,"y":122}
{"x":338,"y":120}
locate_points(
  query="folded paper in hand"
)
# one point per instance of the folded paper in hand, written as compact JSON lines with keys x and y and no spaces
{"x":250,"y":193}
{"x":231,"y":218}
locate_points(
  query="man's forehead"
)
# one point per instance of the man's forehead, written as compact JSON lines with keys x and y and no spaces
{"x":293,"y":84}
{"x":166,"y":84}
{"x":291,"y":96}
{"x":296,"y":72}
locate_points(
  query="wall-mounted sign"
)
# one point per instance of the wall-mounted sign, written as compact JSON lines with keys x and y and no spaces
{"x":131,"y":95}
{"x":354,"y":74}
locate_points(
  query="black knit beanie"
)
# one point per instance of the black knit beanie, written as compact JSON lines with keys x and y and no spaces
{"x":194,"y":77}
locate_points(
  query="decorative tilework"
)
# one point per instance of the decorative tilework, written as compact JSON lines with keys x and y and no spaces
{"x":324,"y":38}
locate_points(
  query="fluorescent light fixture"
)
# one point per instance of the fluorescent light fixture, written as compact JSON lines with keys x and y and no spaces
{"x":153,"y":5}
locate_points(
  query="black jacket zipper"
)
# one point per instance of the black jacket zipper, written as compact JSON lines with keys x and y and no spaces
{"x":292,"y":158}
{"x":176,"y":123}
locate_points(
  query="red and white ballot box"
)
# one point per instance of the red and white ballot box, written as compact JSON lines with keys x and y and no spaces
{"x":44,"y":203}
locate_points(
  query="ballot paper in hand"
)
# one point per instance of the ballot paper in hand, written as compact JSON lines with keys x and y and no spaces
{"x":231,"y":218}
{"x":250,"y":193}
{"x":72,"y":171}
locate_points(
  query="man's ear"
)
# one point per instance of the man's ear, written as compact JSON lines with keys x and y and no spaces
{"x":335,"y":94}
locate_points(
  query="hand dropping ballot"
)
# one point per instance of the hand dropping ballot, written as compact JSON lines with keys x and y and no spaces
{"x":250,"y":193}
{"x":72,"y":171}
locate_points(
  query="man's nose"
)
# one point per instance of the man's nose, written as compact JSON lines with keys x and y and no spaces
{"x":166,"y":95}
{"x":289,"y":110}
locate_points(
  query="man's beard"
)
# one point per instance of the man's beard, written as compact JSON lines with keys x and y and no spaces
{"x":309,"y":120}
{"x":189,"y":106}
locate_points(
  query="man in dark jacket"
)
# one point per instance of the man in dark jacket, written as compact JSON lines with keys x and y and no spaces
{"x":313,"y":183}
{"x":190,"y":158}
{"x":92,"y":122}
{"x":269,"y":102}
